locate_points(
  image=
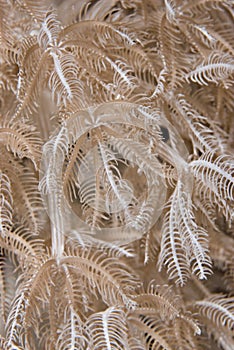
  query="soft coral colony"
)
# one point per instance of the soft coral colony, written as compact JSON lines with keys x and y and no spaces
{"x":116,"y":174}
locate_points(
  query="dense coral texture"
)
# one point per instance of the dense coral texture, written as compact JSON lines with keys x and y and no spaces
{"x":116,"y":175}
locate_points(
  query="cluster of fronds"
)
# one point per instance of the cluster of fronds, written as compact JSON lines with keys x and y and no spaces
{"x":116,"y":174}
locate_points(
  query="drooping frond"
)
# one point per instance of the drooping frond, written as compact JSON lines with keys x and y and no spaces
{"x":108,"y":33}
{"x":155,"y":332}
{"x":108,"y":329}
{"x":7,"y":289}
{"x":103,"y":273}
{"x":219,"y":309}
{"x":160,"y":87}
{"x":170,"y":10}
{"x":28,"y":88}
{"x":24,"y":311}
{"x":204,"y":134}
{"x":184,"y":243}
{"x":6,"y":202}
{"x":217,"y":314}
{"x":157,"y":300}
{"x":158,"y":306}
{"x":214,"y":180}
{"x":31,"y":211}
{"x":22,"y":247}
{"x":84,"y":241}
{"x":53,"y":154}
{"x":72,"y":335}
{"x":216,"y":69}
{"x":171,"y":247}
{"x":223,"y":38}
{"x":186,"y":333}
{"x":81,"y":275}
{"x":22,"y":141}
{"x":63,"y":80}
{"x":50,"y":186}
{"x":202,"y":33}
{"x":27,"y":203}
{"x":50,"y":29}
{"x":142,"y":64}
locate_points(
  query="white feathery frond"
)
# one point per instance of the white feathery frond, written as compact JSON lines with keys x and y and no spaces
{"x":63,"y":80}
{"x":54,"y":152}
{"x":214,"y":178}
{"x":172,"y":252}
{"x":170,"y":7}
{"x":50,"y":29}
{"x":219,"y":309}
{"x":216,"y":69}
{"x":184,"y":243}
{"x":6,"y":202}
{"x":71,"y":336}
{"x":108,"y":329}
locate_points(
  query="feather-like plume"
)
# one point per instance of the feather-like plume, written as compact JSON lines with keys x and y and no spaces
{"x":217,"y":69}
{"x":21,"y":140}
{"x":181,"y":234}
{"x":214,"y":176}
{"x":6,"y":202}
{"x":218,"y":309}
{"x":108,"y":329}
